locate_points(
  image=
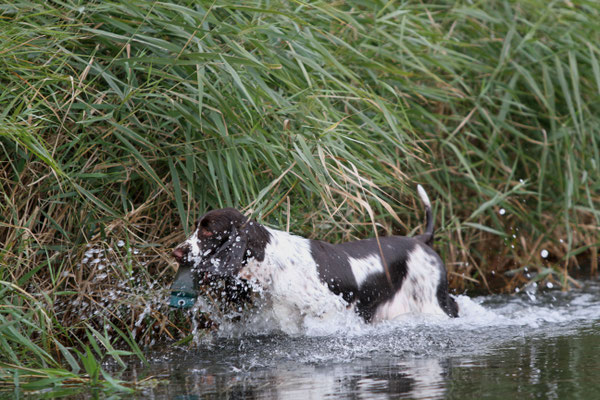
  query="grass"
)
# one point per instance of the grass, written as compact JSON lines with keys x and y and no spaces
{"x":122,"y":122}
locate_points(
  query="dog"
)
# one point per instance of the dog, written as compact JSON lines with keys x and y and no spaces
{"x":379,"y":278}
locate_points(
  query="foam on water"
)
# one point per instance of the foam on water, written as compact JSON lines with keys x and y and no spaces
{"x":262,"y":319}
{"x":483,"y":323}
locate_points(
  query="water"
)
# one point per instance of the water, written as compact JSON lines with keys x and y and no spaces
{"x":530,"y":345}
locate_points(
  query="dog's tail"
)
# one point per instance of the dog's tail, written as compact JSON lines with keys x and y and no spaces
{"x":427,"y":237}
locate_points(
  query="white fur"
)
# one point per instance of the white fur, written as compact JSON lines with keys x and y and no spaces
{"x":418,"y":291}
{"x":363,"y":267}
{"x":192,"y":241}
{"x":423,"y":196}
{"x":195,"y":253}
{"x":288,"y":276}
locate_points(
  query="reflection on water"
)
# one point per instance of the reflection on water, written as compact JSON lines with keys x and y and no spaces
{"x":545,"y":346}
{"x":555,"y":367}
{"x":364,"y":379}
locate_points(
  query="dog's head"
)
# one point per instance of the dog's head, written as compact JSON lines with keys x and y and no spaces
{"x":222,"y":243}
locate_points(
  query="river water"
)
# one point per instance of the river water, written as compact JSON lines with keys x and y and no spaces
{"x":534,"y":344}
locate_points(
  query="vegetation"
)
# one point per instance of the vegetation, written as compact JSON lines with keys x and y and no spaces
{"x":121,"y":122}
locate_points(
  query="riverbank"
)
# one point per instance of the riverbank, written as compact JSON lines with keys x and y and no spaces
{"x":122,"y":123}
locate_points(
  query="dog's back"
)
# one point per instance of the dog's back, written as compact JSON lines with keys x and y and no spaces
{"x":388,"y":276}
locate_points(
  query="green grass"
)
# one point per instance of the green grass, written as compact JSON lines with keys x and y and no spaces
{"x":125,"y":121}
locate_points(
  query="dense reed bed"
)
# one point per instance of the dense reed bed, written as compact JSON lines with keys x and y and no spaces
{"x":121,"y":122}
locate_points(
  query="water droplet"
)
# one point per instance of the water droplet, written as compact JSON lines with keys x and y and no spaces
{"x":502,"y":211}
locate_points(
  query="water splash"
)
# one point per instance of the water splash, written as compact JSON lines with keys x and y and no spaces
{"x":414,"y":355}
{"x":532,"y":309}
{"x":484,"y":324}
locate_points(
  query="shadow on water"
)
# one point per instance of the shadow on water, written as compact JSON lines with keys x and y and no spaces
{"x":534,"y":345}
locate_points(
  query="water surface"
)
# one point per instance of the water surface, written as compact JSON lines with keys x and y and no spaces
{"x":529,"y":345}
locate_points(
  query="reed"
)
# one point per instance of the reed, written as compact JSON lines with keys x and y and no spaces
{"x":122,"y":122}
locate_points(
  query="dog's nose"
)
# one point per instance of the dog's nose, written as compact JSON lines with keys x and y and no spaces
{"x":178,"y":253}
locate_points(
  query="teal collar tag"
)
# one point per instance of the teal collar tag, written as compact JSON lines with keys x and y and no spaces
{"x":182,"y":300}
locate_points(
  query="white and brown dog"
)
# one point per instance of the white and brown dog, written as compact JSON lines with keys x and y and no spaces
{"x":379,"y":278}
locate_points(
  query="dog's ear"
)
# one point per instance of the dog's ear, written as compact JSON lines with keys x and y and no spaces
{"x":228,"y":258}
